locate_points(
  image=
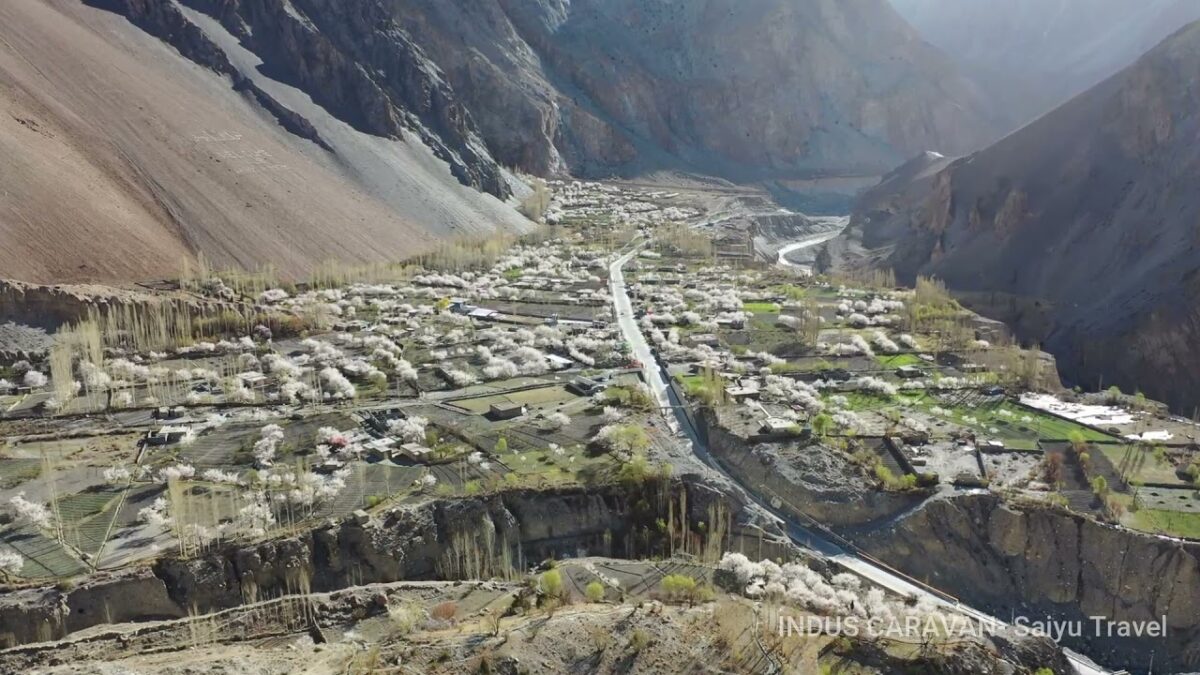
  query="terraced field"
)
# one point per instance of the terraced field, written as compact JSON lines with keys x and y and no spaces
{"x":44,"y":557}
{"x":87,"y":517}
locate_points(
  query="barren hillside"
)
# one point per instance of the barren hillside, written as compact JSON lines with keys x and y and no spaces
{"x":122,"y":158}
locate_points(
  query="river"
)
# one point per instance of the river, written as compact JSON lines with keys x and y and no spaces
{"x":837,"y":224}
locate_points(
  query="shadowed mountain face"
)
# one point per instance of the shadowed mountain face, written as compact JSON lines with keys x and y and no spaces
{"x":748,"y":90}
{"x":1032,"y":55}
{"x":762,"y":89}
{"x":1083,"y":228}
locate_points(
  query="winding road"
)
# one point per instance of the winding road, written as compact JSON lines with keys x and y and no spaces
{"x":813,"y":537}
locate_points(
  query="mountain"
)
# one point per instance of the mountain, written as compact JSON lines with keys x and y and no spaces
{"x":745,"y":90}
{"x":140,"y":133}
{"x":1082,"y":228}
{"x":122,"y":159}
{"x":1031,"y":55}
{"x":742,"y":89}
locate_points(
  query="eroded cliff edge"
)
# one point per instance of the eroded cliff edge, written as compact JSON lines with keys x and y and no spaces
{"x":1038,"y":561}
{"x":493,"y":536}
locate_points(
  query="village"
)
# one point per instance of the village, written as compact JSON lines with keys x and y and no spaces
{"x":910,"y":392}
{"x":255,"y":410}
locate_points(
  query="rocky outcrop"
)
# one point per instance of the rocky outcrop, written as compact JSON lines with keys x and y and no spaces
{"x":805,"y":479}
{"x":1040,"y":563}
{"x":485,"y":537}
{"x":44,"y":306}
{"x":1004,"y":655}
{"x":1074,"y":230}
{"x":49,"y":307}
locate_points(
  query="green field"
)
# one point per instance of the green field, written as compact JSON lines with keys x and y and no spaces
{"x":540,"y":397}
{"x":790,"y":291}
{"x":82,"y":505}
{"x":858,"y":401}
{"x":86,"y":517}
{"x":44,"y":557}
{"x":1140,"y":465}
{"x":761,"y":307}
{"x":1012,"y":427}
{"x":899,"y":360}
{"x":1047,"y":426}
{"x":13,"y":472}
{"x":1027,"y":444}
{"x":763,"y":321}
{"x":1174,"y":523}
{"x":545,"y":468}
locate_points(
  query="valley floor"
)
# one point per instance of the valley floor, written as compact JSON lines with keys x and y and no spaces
{"x":640,"y":383}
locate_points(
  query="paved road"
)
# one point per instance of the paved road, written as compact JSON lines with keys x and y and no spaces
{"x":813,"y":538}
{"x":633,"y":335}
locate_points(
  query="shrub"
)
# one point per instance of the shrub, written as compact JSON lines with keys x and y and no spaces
{"x":626,"y":438}
{"x":444,"y":611}
{"x":1078,"y":440}
{"x":678,"y":586}
{"x":639,"y":640}
{"x":822,"y":424}
{"x":884,"y":474}
{"x":594,"y":591}
{"x":635,"y":471}
{"x":1052,"y":467}
{"x":552,"y":584}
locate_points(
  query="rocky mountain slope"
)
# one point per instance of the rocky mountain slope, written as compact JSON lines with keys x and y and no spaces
{"x":745,"y":90}
{"x":122,"y":157}
{"x":1039,"y":53}
{"x":1079,"y":229}
{"x":765,"y":89}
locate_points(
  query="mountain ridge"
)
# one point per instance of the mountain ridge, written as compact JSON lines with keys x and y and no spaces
{"x":1086,"y":243}
{"x":1040,"y":53}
